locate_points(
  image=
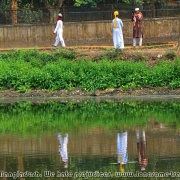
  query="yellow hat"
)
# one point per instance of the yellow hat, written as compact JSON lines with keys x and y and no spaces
{"x":121,"y":167}
{"x":115,"y":14}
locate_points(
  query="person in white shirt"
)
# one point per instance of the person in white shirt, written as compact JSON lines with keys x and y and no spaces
{"x":59,"y":32}
{"x":117,"y":26}
{"x":63,"y":141}
{"x":122,"y":149}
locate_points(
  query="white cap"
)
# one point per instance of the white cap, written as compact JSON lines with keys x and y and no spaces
{"x":60,"y":15}
{"x":136,"y":9}
{"x":65,"y":164}
{"x":143,"y":168}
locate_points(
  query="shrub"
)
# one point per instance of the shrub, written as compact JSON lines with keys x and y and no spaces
{"x":25,"y":70}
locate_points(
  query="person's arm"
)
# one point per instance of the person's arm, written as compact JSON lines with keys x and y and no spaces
{"x":121,"y":23}
{"x":132,"y":18}
{"x":140,"y":16}
{"x":57,"y":26}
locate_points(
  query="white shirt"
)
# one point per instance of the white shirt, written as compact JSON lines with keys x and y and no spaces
{"x":59,"y":27}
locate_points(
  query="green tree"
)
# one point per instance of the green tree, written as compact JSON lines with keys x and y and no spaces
{"x":11,"y":9}
{"x":179,"y":36}
{"x":54,"y":7}
{"x":88,"y":2}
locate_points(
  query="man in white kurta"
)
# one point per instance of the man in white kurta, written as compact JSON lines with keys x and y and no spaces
{"x":63,"y":141}
{"x":122,"y":148}
{"x":117,"y":26}
{"x":59,"y":32}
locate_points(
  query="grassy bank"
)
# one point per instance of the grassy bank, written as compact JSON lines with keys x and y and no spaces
{"x":61,"y":69}
{"x":34,"y":119}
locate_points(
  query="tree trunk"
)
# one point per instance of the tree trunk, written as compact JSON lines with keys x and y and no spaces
{"x":14,"y":7}
{"x":154,"y":10}
{"x":53,"y":9}
{"x":32,"y":4}
{"x":60,"y":2}
{"x":179,"y":35}
{"x":53,"y":15}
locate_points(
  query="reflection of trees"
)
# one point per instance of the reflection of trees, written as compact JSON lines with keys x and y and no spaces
{"x":97,"y":147}
{"x":20,"y":167}
{"x":3,"y":164}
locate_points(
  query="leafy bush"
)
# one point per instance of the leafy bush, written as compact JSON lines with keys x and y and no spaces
{"x":27,"y":15}
{"x":67,"y":53}
{"x":25,"y":70}
{"x":139,"y":57}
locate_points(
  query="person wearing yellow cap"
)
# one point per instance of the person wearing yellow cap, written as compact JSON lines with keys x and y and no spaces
{"x":117,"y":26}
{"x":137,"y":18}
{"x":122,"y":149}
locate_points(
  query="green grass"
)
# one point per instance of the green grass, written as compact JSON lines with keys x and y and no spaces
{"x":27,"y":70}
{"x":34,"y":119}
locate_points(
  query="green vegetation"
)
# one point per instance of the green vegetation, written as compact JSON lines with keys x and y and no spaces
{"x":34,"y":119}
{"x":28,"y":119}
{"x":26,"y":70}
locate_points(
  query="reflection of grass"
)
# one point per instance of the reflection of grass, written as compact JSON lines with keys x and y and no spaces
{"x":34,"y":119}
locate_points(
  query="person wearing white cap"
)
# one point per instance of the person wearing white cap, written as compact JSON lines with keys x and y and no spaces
{"x":63,"y":142}
{"x":141,"y":149}
{"x":137,"y":18}
{"x":117,"y":26}
{"x":59,"y":32}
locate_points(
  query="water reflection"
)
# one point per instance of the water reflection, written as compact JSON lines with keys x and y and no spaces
{"x":122,"y":149}
{"x":102,"y":137}
{"x":92,"y":150}
{"x":141,"y":149}
{"x":122,"y":143}
{"x":63,"y":142}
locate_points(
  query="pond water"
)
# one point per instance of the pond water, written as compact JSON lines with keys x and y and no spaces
{"x":89,"y":140}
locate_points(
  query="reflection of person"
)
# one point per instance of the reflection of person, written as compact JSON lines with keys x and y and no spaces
{"x":137,"y":18}
{"x":122,"y":149}
{"x":141,"y":149}
{"x":63,"y":141}
{"x":117,"y":26}
{"x":59,"y":32}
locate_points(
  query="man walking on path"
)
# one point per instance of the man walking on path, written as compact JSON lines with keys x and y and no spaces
{"x":137,"y":18}
{"x":59,"y":31}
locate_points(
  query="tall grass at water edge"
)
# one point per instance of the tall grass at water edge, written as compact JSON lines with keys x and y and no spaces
{"x":25,"y":70}
{"x":34,"y":119}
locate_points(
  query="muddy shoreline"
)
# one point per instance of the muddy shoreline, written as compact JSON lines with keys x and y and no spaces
{"x":77,"y":95}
